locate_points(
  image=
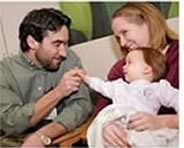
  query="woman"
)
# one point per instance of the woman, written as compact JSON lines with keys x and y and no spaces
{"x":142,"y":24}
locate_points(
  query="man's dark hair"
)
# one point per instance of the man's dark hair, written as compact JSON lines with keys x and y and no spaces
{"x":38,"y":22}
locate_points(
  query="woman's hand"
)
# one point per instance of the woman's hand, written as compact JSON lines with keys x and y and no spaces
{"x":144,"y":121}
{"x":114,"y":136}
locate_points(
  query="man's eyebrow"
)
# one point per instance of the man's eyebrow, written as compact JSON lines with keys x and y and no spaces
{"x":58,"y":41}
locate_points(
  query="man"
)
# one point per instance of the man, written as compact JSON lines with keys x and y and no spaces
{"x":40,"y":90}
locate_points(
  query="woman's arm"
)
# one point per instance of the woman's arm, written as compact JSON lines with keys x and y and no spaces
{"x":113,"y":135}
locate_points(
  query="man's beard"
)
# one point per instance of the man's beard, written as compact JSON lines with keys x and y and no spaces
{"x":48,"y":64}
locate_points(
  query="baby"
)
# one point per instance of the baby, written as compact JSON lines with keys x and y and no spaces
{"x":142,"y":91}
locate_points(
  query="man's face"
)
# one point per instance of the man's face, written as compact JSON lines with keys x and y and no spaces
{"x":52,"y":50}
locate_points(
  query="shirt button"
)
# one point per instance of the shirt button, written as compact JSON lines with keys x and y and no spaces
{"x":39,"y":88}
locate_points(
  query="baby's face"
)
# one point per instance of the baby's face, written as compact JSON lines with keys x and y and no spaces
{"x":135,"y":66}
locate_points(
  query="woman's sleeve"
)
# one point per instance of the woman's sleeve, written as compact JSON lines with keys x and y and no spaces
{"x":172,"y":73}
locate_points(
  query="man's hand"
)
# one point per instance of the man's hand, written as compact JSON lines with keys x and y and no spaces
{"x":33,"y":141}
{"x":114,"y":136}
{"x":144,"y":121}
{"x":83,"y":75}
{"x":70,"y":82}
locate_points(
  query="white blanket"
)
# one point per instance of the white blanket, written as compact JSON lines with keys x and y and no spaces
{"x":120,"y":114}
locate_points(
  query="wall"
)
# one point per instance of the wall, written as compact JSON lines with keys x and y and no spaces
{"x":97,"y":16}
{"x":11,"y":14}
{"x":97,"y":55}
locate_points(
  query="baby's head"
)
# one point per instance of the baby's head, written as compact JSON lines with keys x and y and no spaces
{"x":144,"y":63}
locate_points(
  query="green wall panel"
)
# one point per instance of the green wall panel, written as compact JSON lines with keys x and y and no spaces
{"x":91,"y":20}
{"x":80,"y":13}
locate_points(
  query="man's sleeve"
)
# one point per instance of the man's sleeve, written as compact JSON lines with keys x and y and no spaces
{"x":14,"y":115}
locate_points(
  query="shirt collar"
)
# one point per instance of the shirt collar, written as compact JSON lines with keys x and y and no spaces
{"x":139,"y":82}
{"x":28,"y":61}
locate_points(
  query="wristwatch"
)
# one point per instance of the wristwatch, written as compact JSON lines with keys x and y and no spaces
{"x":44,"y":138}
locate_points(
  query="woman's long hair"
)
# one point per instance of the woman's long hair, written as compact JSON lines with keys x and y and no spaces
{"x":139,"y":13}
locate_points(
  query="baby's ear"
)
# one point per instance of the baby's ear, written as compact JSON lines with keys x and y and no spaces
{"x":147,"y":69}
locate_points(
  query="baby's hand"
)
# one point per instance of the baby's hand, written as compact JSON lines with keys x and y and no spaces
{"x":82,"y":74}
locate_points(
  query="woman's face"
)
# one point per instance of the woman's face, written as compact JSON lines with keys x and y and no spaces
{"x":128,"y":34}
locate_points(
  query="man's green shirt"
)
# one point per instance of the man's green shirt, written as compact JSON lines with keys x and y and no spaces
{"x":22,"y":83}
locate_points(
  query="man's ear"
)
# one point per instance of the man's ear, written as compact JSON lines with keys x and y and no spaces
{"x":33,"y":44}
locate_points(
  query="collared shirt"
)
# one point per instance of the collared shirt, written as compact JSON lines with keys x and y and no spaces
{"x":141,"y":94}
{"x":22,"y":83}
